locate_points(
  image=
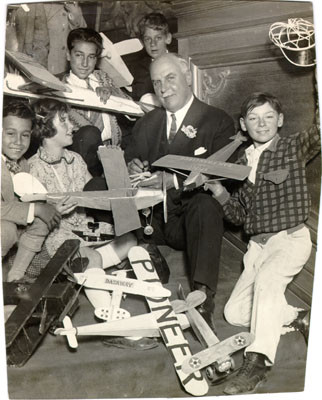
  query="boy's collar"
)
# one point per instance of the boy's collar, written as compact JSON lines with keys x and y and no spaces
{"x":272,"y":146}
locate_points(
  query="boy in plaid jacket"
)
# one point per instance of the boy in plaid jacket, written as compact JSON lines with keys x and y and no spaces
{"x":272,"y":205}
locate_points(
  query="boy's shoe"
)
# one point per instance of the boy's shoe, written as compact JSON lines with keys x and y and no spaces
{"x":302,"y":324}
{"x":250,"y":375}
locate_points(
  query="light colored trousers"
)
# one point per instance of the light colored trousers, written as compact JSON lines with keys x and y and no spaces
{"x":30,"y":237}
{"x":258,"y":299}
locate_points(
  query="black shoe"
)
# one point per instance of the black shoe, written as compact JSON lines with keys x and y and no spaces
{"x":207,"y":308}
{"x":125,"y":343}
{"x":250,"y":375}
{"x":158,"y":261}
{"x":302,"y":324}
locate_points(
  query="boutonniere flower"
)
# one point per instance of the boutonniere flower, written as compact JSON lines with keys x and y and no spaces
{"x":189,"y":131}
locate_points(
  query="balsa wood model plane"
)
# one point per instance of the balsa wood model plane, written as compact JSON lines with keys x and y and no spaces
{"x":168,"y":324}
{"x":217,"y":354}
{"x":36,"y":82}
{"x":121,"y":198}
{"x":38,"y":306}
{"x":118,"y":320}
{"x":201,"y":169}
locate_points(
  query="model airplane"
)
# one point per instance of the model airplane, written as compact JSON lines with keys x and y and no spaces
{"x":122,"y":199}
{"x":201,"y":169}
{"x":38,"y":306}
{"x":168,"y":324}
{"x":143,"y":325}
{"x":111,"y":62}
{"x":37,"y":82}
{"x":216,"y":355}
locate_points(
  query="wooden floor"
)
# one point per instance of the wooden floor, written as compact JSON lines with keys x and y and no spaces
{"x":96,"y":371}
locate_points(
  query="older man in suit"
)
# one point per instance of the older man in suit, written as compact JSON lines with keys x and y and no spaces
{"x":183,"y":126}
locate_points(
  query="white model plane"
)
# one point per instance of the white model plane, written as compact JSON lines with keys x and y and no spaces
{"x":217,"y":354}
{"x":37,"y":82}
{"x":122,"y":199}
{"x":201,"y":169}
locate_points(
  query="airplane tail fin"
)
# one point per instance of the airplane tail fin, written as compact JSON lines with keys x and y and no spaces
{"x":69,"y":331}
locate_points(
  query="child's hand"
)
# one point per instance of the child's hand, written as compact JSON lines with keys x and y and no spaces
{"x":48,"y":214}
{"x":103,"y":93}
{"x":215,"y":187}
{"x":66,"y":205}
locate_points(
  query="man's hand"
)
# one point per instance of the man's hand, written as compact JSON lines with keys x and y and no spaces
{"x":103,"y":93}
{"x":156,"y":181}
{"x":48,"y":214}
{"x":215,"y":187}
{"x":137,"y":166}
{"x":74,"y":11}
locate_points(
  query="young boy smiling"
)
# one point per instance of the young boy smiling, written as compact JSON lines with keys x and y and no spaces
{"x":272,"y":205}
{"x":93,"y":127}
{"x":156,"y":37}
{"x":24,"y":224}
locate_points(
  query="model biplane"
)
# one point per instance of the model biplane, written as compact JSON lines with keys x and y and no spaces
{"x":201,"y":169}
{"x":121,"y":198}
{"x":217,"y":354}
{"x":36,"y":307}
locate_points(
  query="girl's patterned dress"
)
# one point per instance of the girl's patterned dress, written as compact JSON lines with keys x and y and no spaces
{"x":66,"y":174}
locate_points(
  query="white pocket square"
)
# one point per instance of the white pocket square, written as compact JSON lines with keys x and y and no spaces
{"x":199,"y":151}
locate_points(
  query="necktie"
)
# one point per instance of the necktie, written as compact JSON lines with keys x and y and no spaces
{"x":13,"y":166}
{"x":173,"y":128}
{"x":89,"y":86}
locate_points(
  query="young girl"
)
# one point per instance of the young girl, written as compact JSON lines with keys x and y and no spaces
{"x":61,"y":170}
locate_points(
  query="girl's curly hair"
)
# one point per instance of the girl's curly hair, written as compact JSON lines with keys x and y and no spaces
{"x":45,"y":112}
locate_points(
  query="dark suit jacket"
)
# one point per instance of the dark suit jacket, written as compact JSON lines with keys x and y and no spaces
{"x":12,"y":209}
{"x":140,"y":70}
{"x":149,"y":141}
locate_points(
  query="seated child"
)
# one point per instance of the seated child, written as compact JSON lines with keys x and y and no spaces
{"x":84,"y":47}
{"x":155,"y":36}
{"x":272,"y":205}
{"x":62,"y":170}
{"x":24,"y":224}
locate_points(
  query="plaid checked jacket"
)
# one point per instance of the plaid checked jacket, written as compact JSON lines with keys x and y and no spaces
{"x":279,"y":199}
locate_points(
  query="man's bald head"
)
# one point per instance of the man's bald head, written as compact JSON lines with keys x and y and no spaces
{"x":171,"y":80}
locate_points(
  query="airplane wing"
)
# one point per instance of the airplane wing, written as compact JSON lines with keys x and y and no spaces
{"x":125,"y":213}
{"x":34,"y":71}
{"x":140,"y":325}
{"x":112,"y":63}
{"x":205,"y":166}
{"x":20,"y":86}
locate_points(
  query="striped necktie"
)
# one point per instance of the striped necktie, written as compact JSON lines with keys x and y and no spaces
{"x":88,"y":84}
{"x":173,"y":128}
{"x":13,"y":166}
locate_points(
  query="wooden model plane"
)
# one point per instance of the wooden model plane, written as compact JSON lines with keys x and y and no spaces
{"x":168,"y":324}
{"x":118,"y":320}
{"x":143,"y":325}
{"x":217,"y":354}
{"x":111,"y":61}
{"x":121,"y":198}
{"x":38,"y":306}
{"x":201,"y":169}
{"x":37,"y":82}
